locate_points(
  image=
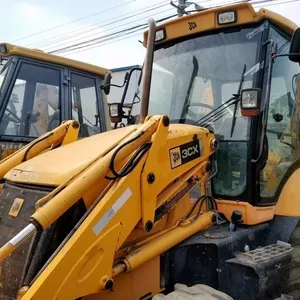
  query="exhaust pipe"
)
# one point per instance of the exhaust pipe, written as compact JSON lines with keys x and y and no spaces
{"x":148,"y":65}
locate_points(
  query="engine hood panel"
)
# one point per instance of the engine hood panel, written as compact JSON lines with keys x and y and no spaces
{"x":55,"y":167}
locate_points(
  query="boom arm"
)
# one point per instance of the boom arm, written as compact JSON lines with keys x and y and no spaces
{"x":142,"y":193}
{"x":64,"y":134}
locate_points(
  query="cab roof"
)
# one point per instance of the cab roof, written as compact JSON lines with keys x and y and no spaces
{"x":206,"y":20}
{"x":7,"y":49}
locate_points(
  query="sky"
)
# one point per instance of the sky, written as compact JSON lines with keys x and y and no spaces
{"x":55,"y":24}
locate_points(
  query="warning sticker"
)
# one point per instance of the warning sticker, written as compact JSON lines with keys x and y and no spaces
{"x":16,"y":207}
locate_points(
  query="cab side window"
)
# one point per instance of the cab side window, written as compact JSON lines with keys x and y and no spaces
{"x":85,"y":104}
{"x":33,"y":107}
{"x":283,"y":121}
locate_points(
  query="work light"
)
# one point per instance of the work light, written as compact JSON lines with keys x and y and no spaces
{"x":160,"y":35}
{"x":250,"y":102}
{"x":227,"y":17}
{"x":115,"y":110}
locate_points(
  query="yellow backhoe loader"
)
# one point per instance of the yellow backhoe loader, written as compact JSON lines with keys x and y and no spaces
{"x":40,"y":90}
{"x":196,"y":193}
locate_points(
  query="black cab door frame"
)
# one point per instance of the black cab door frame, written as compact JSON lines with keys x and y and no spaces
{"x":101,"y":122}
{"x":8,"y":86}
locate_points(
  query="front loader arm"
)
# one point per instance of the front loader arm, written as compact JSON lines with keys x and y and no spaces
{"x":64,"y":134}
{"x":85,"y":262}
{"x":87,"y":267}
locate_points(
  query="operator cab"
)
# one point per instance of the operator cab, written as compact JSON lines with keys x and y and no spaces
{"x":194,"y":76}
{"x":199,"y":75}
{"x":38,"y":91}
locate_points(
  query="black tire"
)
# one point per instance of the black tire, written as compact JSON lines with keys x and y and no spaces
{"x":293,"y":286}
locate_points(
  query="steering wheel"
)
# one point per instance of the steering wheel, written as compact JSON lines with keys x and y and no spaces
{"x":193,"y":114}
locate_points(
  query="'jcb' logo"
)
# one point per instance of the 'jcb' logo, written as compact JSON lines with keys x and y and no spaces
{"x":190,"y":151}
{"x":176,"y":157}
{"x":192,"y":25}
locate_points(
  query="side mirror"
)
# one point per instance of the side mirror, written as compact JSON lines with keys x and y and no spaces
{"x":277,"y":117}
{"x":106,"y":83}
{"x":250,"y":102}
{"x":295,"y":46}
{"x":115,"y":112}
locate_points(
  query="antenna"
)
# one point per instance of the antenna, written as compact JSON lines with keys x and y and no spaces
{"x":183,"y":5}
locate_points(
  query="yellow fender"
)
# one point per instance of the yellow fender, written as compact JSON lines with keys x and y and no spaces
{"x":288,"y":203}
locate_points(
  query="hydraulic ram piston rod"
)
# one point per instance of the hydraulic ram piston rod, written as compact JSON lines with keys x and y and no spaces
{"x":162,"y":243}
{"x":10,"y":246}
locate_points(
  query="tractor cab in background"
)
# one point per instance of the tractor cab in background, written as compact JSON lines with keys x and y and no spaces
{"x":126,"y":111}
{"x":39,"y":90}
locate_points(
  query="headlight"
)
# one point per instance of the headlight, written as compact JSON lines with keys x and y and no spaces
{"x":227,"y":17}
{"x":250,"y":98}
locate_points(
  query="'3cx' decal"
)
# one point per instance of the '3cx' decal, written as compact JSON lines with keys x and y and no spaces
{"x":184,"y":153}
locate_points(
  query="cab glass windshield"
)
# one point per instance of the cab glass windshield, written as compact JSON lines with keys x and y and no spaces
{"x":194,"y":76}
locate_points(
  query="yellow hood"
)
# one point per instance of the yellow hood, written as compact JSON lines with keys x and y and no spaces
{"x":62,"y":163}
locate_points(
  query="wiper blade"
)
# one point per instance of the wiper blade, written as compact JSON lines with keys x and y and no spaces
{"x":237,"y":95}
{"x":188,"y":93}
{"x":218,"y":117}
{"x":214,"y":113}
{"x":218,"y":112}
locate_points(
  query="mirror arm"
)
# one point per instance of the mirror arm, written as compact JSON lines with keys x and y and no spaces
{"x":127,"y":83}
{"x":111,"y":84}
{"x":286,"y":54}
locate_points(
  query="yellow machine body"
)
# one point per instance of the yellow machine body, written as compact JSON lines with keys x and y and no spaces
{"x":42,"y":56}
{"x":120,"y":221}
{"x":130,"y":195}
{"x":207,"y":21}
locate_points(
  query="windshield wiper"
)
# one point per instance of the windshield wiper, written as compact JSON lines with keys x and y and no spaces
{"x":219,"y":112}
{"x":237,"y":95}
{"x":188,"y":93}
